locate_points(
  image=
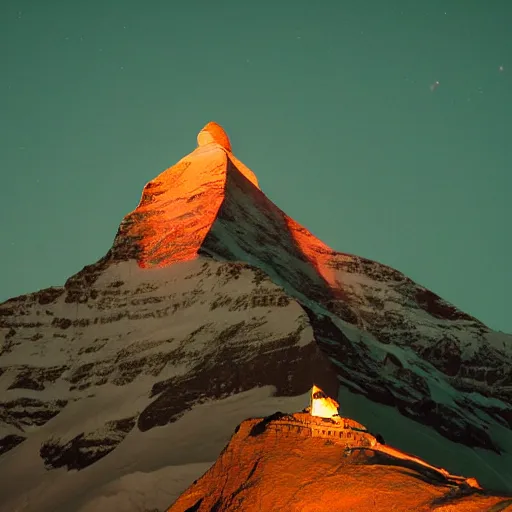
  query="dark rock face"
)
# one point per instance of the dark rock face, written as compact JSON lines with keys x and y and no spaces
{"x":49,"y":295}
{"x":437,"y":307}
{"x":30,"y":377}
{"x":410,"y":394}
{"x":85,"y":449}
{"x":9,"y":442}
{"x":445,"y":355}
{"x":29,"y":411}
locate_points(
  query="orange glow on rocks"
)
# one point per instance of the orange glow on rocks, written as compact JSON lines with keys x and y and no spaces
{"x":299,"y":462}
{"x":319,"y":254}
{"x":213,"y":133}
{"x":179,"y":207}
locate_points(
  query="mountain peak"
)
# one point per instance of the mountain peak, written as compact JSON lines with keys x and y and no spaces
{"x":257,"y":311}
{"x":213,"y":133}
{"x":178,"y":208}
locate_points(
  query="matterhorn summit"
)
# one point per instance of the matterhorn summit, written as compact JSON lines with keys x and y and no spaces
{"x":123,"y":386}
{"x":179,"y":208}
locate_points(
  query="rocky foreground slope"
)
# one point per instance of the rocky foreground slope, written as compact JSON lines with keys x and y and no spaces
{"x":296,"y":463}
{"x":121,"y":387}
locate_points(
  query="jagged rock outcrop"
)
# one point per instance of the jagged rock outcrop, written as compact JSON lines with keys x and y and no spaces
{"x":86,"y":448}
{"x":213,"y":299}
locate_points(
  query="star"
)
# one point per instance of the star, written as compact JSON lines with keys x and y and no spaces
{"x":434,"y":86}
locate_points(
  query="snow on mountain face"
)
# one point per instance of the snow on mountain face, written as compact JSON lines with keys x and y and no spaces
{"x":139,"y":351}
{"x":211,"y":293}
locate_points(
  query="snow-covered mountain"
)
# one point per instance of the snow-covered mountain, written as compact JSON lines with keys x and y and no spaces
{"x":122,"y":387}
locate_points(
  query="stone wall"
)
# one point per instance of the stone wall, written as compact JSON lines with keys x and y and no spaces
{"x":340,"y":433}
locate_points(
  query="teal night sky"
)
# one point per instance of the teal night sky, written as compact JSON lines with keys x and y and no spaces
{"x":328,"y":102}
